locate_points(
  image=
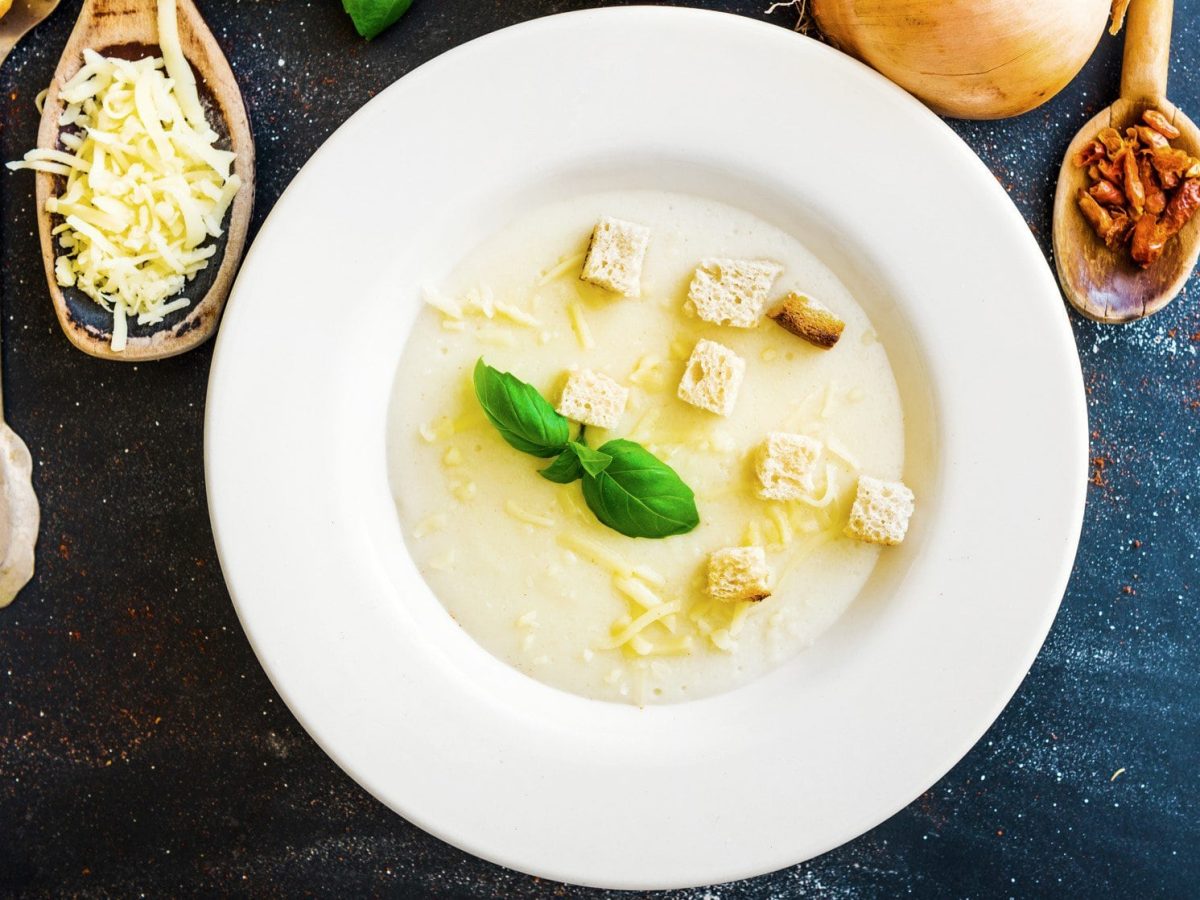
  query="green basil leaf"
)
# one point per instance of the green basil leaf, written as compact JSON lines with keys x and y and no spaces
{"x":563,"y":470}
{"x":373,"y":16}
{"x":520,"y":413}
{"x":593,"y":461}
{"x":639,"y":495}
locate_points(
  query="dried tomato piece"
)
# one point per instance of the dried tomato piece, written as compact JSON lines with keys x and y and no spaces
{"x":1106,"y":192}
{"x":1160,"y":123}
{"x":1151,"y":138}
{"x":1112,"y":140}
{"x":1111,"y":172}
{"x":1148,"y":241}
{"x":1119,"y":232}
{"x":1156,"y":200}
{"x":1095,"y":213}
{"x":1134,"y":189}
{"x":1182,"y":207}
{"x":1088,"y":154}
{"x":1171,"y":164}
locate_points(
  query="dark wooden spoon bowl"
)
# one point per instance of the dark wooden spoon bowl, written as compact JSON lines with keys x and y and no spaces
{"x":129,"y":29}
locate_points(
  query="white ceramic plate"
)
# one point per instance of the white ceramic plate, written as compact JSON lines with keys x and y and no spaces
{"x":797,"y":762}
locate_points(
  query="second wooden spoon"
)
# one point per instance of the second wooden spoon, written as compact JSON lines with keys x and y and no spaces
{"x":129,"y":28}
{"x":1102,"y":284}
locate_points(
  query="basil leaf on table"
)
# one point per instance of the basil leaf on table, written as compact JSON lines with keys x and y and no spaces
{"x":373,"y":16}
{"x":522,"y":416}
{"x":639,"y":495}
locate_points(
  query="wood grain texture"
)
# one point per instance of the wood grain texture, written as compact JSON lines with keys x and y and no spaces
{"x":111,"y":26}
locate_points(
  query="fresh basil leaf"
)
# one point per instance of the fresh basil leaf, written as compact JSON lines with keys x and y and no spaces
{"x":639,"y":495}
{"x":373,"y":16}
{"x":563,"y":470}
{"x":593,"y":461}
{"x":520,"y":413}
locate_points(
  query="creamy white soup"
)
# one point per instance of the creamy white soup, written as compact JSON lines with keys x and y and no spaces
{"x":524,"y":566}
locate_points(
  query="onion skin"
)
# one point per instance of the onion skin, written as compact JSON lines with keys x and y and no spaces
{"x":969,"y":59}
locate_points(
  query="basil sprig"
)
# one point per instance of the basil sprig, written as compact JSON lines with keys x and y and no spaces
{"x":520,"y":413}
{"x":638,"y":494}
{"x":627,"y":487}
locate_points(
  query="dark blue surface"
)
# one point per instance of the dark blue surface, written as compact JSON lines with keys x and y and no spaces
{"x":143,"y":750}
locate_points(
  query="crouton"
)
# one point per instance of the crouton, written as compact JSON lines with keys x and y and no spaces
{"x":593,"y":399}
{"x":732,"y":291}
{"x":739,"y":573}
{"x":808,"y":319}
{"x":615,"y":256}
{"x":712,"y":377}
{"x":785,"y":465}
{"x":881,"y":511}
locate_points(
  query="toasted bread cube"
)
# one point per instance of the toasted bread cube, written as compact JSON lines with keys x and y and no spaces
{"x":615,"y":256}
{"x":593,"y":399}
{"x":808,"y":319}
{"x":786,"y":464}
{"x":881,"y":511}
{"x":712,"y":377}
{"x":739,"y":573}
{"x":732,"y":291}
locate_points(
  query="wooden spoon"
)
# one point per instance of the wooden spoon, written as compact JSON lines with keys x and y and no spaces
{"x":128,"y":28}
{"x":1102,"y":284}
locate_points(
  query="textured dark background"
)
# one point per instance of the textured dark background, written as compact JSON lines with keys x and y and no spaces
{"x":142,"y":749}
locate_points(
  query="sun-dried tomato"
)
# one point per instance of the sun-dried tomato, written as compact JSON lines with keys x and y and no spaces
{"x":1133,"y":183}
{"x":1160,"y":123}
{"x":1148,"y":241}
{"x":1106,"y":192}
{"x":1089,"y":154}
{"x":1141,"y":191}
{"x":1156,"y":200}
{"x":1182,"y":207}
{"x":1150,"y":137}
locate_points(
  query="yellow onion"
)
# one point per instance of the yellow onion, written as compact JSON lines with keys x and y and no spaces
{"x":971,"y":59}
{"x":4,"y":7}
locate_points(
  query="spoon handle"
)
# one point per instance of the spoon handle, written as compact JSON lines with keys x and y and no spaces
{"x":1147,"y":50}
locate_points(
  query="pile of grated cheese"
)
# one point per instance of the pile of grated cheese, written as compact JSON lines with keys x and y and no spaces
{"x":145,"y":185}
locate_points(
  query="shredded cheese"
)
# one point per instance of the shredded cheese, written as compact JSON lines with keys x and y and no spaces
{"x":829,"y":405}
{"x":638,"y":592}
{"x":580,"y":326}
{"x":464,"y":490}
{"x":436,"y":522}
{"x":596,"y":554}
{"x":523,"y":515}
{"x":779,"y":517}
{"x":146,"y":187}
{"x":561,"y":268}
{"x":646,"y":618}
{"x":830,"y":491}
{"x":447,"y":306}
{"x":518,"y":315}
{"x":740,"y":613}
{"x":650,"y":576}
{"x":645,"y":372}
{"x":839,"y":450}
